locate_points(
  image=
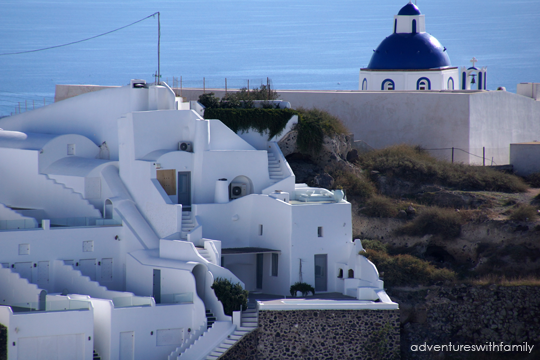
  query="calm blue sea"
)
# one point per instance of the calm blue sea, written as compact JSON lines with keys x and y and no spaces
{"x":305,"y":44}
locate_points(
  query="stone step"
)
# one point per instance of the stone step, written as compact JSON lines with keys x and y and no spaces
{"x":235,"y":336}
{"x":211,"y":357}
{"x":249,"y":325}
{"x":229,"y":342}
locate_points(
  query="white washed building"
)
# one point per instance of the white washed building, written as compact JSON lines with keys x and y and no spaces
{"x":118,"y":210}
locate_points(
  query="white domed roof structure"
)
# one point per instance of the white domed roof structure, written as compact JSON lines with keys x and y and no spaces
{"x":409,"y":58}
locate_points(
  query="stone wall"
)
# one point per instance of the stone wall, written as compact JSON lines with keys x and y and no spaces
{"x":321,"y":334}
{"x":469,"y":315}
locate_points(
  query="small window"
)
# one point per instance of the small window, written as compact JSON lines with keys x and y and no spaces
{"x":388,"y":84}
{"x":364,"y":84}
{"x":320,"y":231}
{"x":351,"y":273}
{"x":423,"y":84}
{"x":340,"y":274}
{"x":71,"y":149}
{"x":450,"y":84}
{"x":260,"y":229}
{"x":275,"y":264}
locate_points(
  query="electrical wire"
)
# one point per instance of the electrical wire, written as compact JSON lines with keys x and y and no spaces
{"x":79,"y":41}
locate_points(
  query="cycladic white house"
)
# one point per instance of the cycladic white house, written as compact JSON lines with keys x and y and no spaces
{"x":411,"y":59}
{"x":118,"y":210}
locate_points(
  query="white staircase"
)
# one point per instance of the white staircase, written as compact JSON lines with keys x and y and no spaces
{"x":274,"y":168}
{"x":204,"y":253}
{"x":249,"y":322}
{"x":73,"y":203}
{"x":209,"y":339}
{"x":188,"y":224}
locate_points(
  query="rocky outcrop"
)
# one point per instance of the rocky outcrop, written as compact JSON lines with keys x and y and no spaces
{"x":430,"y":194}
{"x":498,"y":247}
{"x":334,"y":148}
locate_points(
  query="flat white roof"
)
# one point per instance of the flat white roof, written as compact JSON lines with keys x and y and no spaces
{"x":319,"y":304}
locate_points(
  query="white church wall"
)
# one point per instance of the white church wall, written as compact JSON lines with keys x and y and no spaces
{"x":499,"y":118}
{"x":430,"y":119}
{"x":407,"y":80}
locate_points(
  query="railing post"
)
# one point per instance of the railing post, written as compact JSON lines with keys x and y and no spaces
{"x":452,"y":154}
{"x":204,"y":85}
{"x":484,"y":156}
{"x":225,"y":85}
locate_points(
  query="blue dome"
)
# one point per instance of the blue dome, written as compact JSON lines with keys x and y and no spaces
{"x":409,"y":52}
{"x":409,"y":9}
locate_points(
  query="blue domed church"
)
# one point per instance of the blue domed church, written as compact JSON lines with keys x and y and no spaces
{"x":410,"y":58}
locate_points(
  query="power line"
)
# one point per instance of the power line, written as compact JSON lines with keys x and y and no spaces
{"x":79,"y":41}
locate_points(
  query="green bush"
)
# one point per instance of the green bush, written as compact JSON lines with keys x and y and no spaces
{"x":355,"y":185}
{"x":435,"y":221}
{"x":232,"y":296}
{"x":533,"y":180}
{"x":303,"y":287}
{"x":242,"y":99}
{"x":375,"y":245}
{"x":407,"y":270}
{"x":209,"y":100}
{"x":260,"y":120}
{"x":379,"y":206}
{"x":313,"y":125}
{"x":416,"y":165}
{"x":524,"y":212}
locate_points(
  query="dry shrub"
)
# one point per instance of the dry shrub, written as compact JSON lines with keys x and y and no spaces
{"x":379,"y":206}
{"x":434,"y":221}
{"x":355,"y":184}
{"x":533,"y":180}
{"x":491,"y":279}
{"x":416,"y":165}
{"x":524,"y":212}
{"x":407,"y":270}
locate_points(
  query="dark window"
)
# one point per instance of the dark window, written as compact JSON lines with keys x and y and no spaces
{"x":351,"y":273}
{"x":275,"y":258}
